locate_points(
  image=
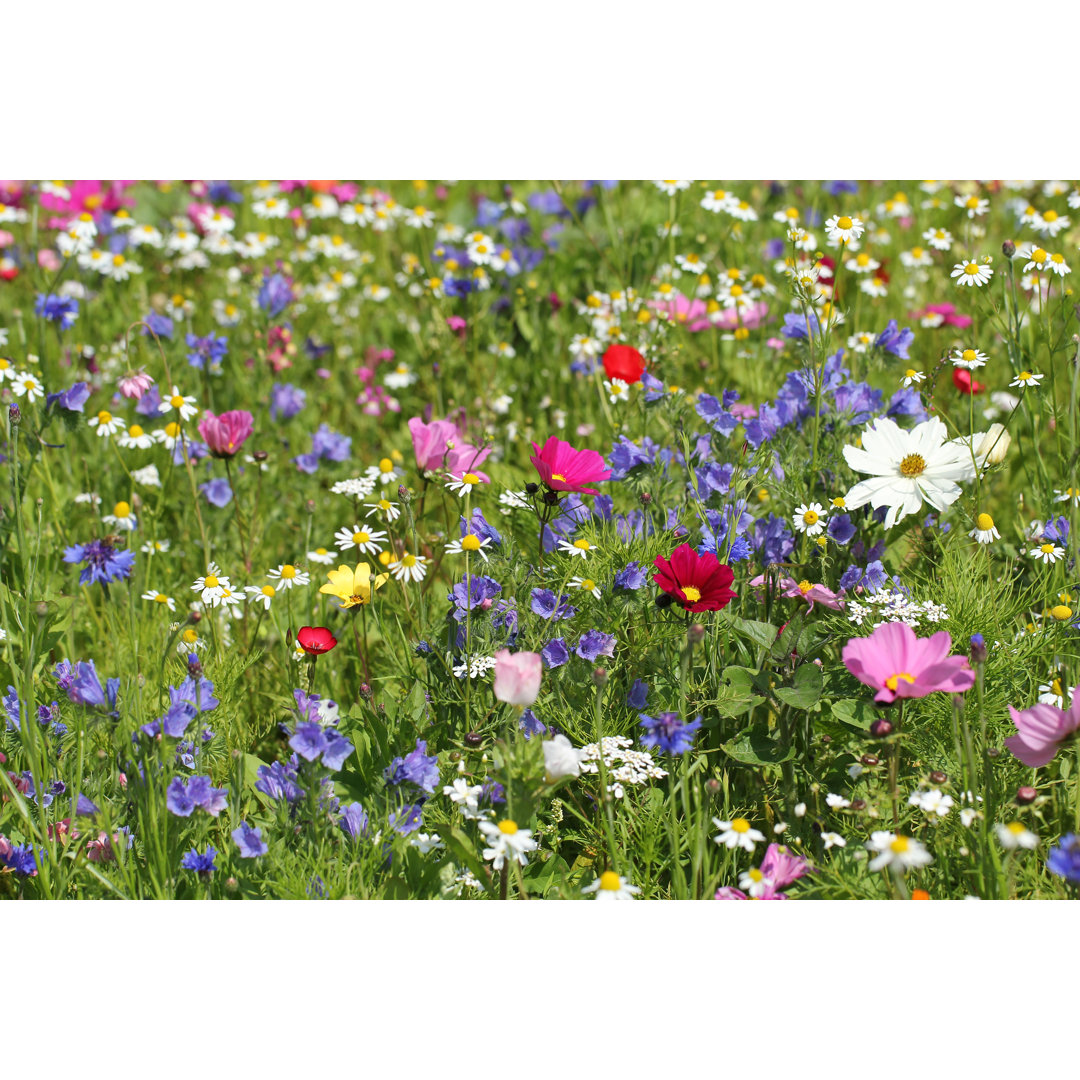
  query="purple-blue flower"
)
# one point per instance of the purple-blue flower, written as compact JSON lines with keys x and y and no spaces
{"x":72,"y":399}
{"x":209,"y":350}
{"x":555,"y":653}
{"x":200,"y":863}
{"x":161,"y":325}
{"x":594,"y":644}
{"x":249,"y":841}
{"x":1064,"y":860}
{"x":632,"y":577}
{"x":275,"y":295}
{"x":286,"y":401}
{"x":103,"y":563}
{"x":669,"y":732}
{"x":544,"y":604}
{"x":530,"y":724}
{"x":417,"y":767}
{"x":59,"y":309}
{"x":638,"y":695}
{"x":895,"y":341}
{"x":354,"y":822}
{"x":308,"y":741}
{"x":218,"y":492}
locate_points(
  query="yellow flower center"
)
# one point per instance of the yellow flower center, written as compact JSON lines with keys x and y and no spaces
{"x":893,"y":681}
{"x":985,"y":522}
{"x":969,"y":356}
{"x":470,"y":543}
{"x":736,"y":290}
{"x":1061,"y":612}
{"x":900,"y":845}
{"x":740,"y":825}
{"x":385,"y":504}
{"x":1024,"y":376}
{"x":692,"y":594}
{"x":917,"y":252}
{"x":910,"y":373}
{"x":118,"y":260}
{"x":361,"y":537}
{"x":588,"y":584}
{"x":189,"y":636}
{"x":1059,"y":259}
{"x":1016,"y":828}
{"x":609,"y":880}
{"x":408,"y":560}
{"x":104,"y":417}
{"x":805,"y":586}
{"x":972,"y":203}
{"x":471,"y":478}
{"x":862,"y":259}
{"x":1038,"y":255}
{"x":1046,"y":549}
{"x":288,"y":571}
{"x":268,"y":590}
{"x":582,"y":545}
{"x":843,"y":223}
{"x":122,"y":510}
{"x":508,"y":827}
{"x":172,"y":430}
{"x":839,"y":503}
{"x":386,"y":465}
{"x":1050,"y":215}
{"x":755,"y":875}
{"x":971,"y":268}
{"x":161,"y":598}
{"x":913,"y":465}
{"x":210,"y":581}
{"x":135,"y":431}
{"x":176,"y":401}
{"x":810,"y":517}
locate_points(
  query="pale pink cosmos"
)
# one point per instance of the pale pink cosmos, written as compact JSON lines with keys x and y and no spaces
{"x":134,"y":384}
{"x":562,"y":468}
{"x":751,"y":317}
{"x":431,"y":442}
{"x":692,"y":314}
{"x":49,"y":260}
{"x":466,"y":458}
{"x":900,"y":665}
{"x":517,"y":676}
{"x":225,"y":434}
{"x":805,"y":590}
{"x":1042,"y":730}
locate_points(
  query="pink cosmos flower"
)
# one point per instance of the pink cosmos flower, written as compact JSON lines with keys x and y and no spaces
{"x":135,"y":383}
{"x":431,"y":442}
{"x":48,"y":260}
{"x":693,"y":314}
{"x":804,"y":590}
{"x":782,"y":867}
{"x":466,"y":458}
{"x":901,"y":665}
{"x":752,"y":317}
{"x":743,"y":410}
{"x":458,"y":325}
{"x":225,"y":434}
{"x":947,"y":311}
{"x":1042,"y":730}
{"x":517,"y":676}
{"x":89,"y":197}
{"x":562,"y":468}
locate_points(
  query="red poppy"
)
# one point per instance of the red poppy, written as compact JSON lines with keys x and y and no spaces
{"x":315,"y":639}
{"x":696,"y":582}
{"x":623,"y":362}
{"x":963,"y":382}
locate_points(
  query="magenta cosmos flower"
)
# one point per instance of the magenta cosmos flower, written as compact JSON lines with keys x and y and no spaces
{"x":900,"y":665}
{"x":431,"y":442}
{"x":1041,"y":731}
{"x":805,"y":590}
{"x":225,"y":434}
{"x":562,"y":468}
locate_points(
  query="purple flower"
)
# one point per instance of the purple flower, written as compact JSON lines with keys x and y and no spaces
{"x":1064,"y":860}
{"x":161,"y":325}
{"x":72,"y":400}
{"x":173,"y":723}
{"x":594,"y":644}
{"x":178,"y":800}
{"x":840,"y":529}
{"x":206,"y":350}
{"x":895,"y":341}
{"x":286,"y":401}
{"x":530,"y":725}
{"x":18,"y":857}
{"x":669,"y":732}
{"x":632,"y":577}
{"x":308,"y":741}
{"x":249,"y":841}
{"x":13,"y":708}
{"x":354,"y":822}
{"x":473,"y":591}
{"x":555,"y":653}
{"x":416,"y":768}
{"x":103,"y":562}
{"x":213,"y":800}
{"x":279,"y":781}
{"x":84,"y":807}
{"x":338,"y":748}
{"x":83,"y":687}
{"x":275,"y":295}
{"x":198,"y":692}
{"x":741,"y":549}
{"x":478,"y":526}
{"x":218,"y":492}
{"x":800,"y":326}
{"x":328,"y":444}
{"x":407,"y":819}
{"x":543,"y":603}
{"x":203,"y":864}
{"x":60,"y":309}
{"x":638,"y":695}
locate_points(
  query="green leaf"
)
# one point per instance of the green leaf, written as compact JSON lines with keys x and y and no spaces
{"x":760,"y":633}
{"x":757,"y":747}
{"x":464,"y":852}
{"x":854,"y":713}
{"x":805,"y":689}
{"x":736,"y":693}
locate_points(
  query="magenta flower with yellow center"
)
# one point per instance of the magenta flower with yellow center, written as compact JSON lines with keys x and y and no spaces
{"x":353,"y":587}
{"x":900,"y":665}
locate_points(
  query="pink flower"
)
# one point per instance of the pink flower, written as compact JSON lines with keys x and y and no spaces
{"x":693,"y":314}
{"x":901,"y":665}
{"x":224,"y":434}
{"x":776,"y":343}
{"x":135,"y":384}
{"x":752,"y":317}
{"x":431,"y":442}
{"x":1041,"y":731}
{"x":562,"y":468}
{"x":743,"y":410}
{"x":517,"y":676}
{"x":48,"y":260}
{"x":947,"y":311}
{"x":464,"y":457}
{"x":782,"y":867}
{"x":457,"y":324}
{"x":804,"y":590}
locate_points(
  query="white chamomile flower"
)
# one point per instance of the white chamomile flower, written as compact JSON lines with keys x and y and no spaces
{"x":1068,"y":495}
{"x":737,"y":833}
{"x":862,"y":264}
{"x":1049,"y":223}
{"x":155,"y":547}
{"x":836,"y":802}
{"x":184,"y":405}
{"x":810,"y":518}
{"x":369,"y":541}
{"x":718,"y":201}
{"x":1058,"y":265}
{"x":160,"y":598}
{"x":843,"y":229}
{"x":29,"y":386}
{"x":931,"y":802}
{"x":831,"y":840}
{"x":902,"y":852}
{"x":211,"y":585}
{"x":972,"y":273}
{"x":587,"y":584}
{"x":106,"y":424}
{"x":974,"y":206}
{"x":288,"y":576}
{"x":754,"y":883}
{"x":425,"y":842}
{"x":503,"y":349}
{"x":1047,"y":553}
{"x":408,"y":567}
{"x":580,"y":548}
{"x":464,"y":483}
{"x":122,"y":517}
{"x":672,"y":187}
{"x":388,"y":509}
{"x":384,"y":474}
{"x":135,"y":438}
{"x":400,"y":377}
{"x":617,"y":390}
{"x":984,"y":531}
{"x":272,"y":207}
{"x":507,"y":842}
{"x":1016,"y":835}
{"x":261,"y":594}
{"x":612,"y":886}
{"x":1025,"y":379}
{"x":322,"y":556}
{"x":911,"y":378}
{"x":971,"y":359}
{"x":469,"y":544}
{"x":939,"y":239}
{"x":465,"y":796}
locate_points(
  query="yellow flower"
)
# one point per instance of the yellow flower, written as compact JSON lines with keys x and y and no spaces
{"x":353,"y":587}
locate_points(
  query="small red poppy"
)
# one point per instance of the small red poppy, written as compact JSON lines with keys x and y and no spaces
{"x":315,"y":639}
{"x":623,"y":362}
{"x":963,"y":382}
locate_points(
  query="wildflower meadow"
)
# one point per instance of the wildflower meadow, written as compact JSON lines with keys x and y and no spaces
{"x":550,"y":540}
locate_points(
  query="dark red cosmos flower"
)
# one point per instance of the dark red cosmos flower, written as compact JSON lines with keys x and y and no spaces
{"x":963,"y":382}
{"x":696,"y":582}
{"x":315,"y":639}
{"x":623,"y":362}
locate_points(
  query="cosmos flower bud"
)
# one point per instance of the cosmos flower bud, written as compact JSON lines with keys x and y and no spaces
{"x":1008,"y":249}
{"x":531,"y":489}
{"x":713,"y":786}
{"x":858,"y":804}
{"x":695,"y":634}
{"x":1026,"y":795}
{"x":870,"y":760}
{"x":473,"y":739}
{"x":880,"y":728}
{"x":260,"y":455}
{"x":600,"y":676}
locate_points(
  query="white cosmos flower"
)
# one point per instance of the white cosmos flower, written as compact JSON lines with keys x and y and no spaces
{"x":907,"y":467}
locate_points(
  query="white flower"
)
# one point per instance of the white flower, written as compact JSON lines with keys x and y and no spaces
{"x":832,"y":839}
{"x":578,"y":547}
{"x":972,"y":273}
{"x":737,"y":833}
{"x":106,"y":423}
{"x":287,"y":576}
{"x":1025,"y":379}
{"x":967,"y":816}
{"x":464,"y":483}
{"x":843,"y":229}
{"x":152,"y":547}
{"x":940,"y":239}
{"x":384,"y":506}
{"x":911,"y":377}
{"x":322,"y":556}
{"x":1048,"y":553}
{"x":587,"y":584}
{"x":971,"y":359}
{"x":907,"y":467}
{"x":617,"y":390}
{"x":147,"y":476}
{"x":212,"y":585}
{"x":408,"y":567}
{"x":361,"y":486}
{"x":984,"y":532}
{"x":900,"y":851}
{"x":810,"y":519}
{"x":465,"y":797}
{"x":560,"y":759}
{"x":160,"y":598}
{"x":184,"y":405}
{"x":931,"y":802}
{"x":671,"y":187}
{"x":25,"y":384}
{"x":611,"y":886}
{"x":369,"y":542}
{"x":837,"y":802}
{"x":974,"y":206}
{"x":1015,"y":835}
{"x":264,"y":594}
{"x":122,"y":517}
{"x":506,"y":839}
{"x":427,"y":842}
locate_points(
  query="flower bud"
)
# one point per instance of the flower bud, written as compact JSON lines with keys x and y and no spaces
{"x":978,"y":649}
{"x":600,"y":676}
{"x":695,"y":633}
{"x":1026,"y":795}
{"x":800,"y":810}
{"x":664,"y":600}
{"x":473,"y":739}
{"x":937,"y":777}
{"x":365,"y":691}
{"x":260,"y":455}
{"x":858,"y":804}
{"x":993,"y":752}
{"x":869,"y":760}
{"x":531,"y":489}
{"x":645,"y":498}
{"x":551,"y":498}
{"x":14,"y":415}
{"x":1008,"y":249}
{"x":713,"y":786}
{"x":880,"y":728}
{"x":403,"y":494}
{"x":231,"y":884}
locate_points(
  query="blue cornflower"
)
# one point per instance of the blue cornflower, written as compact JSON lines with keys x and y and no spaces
{"x":249,"y":841}
{"x":841,"y":187}
{"x":529,"y":724}
{"x":632,"y":577}
{"x":59,"y":309}
{"x":221,"y":191}
{"x":275,"y":295}
{"x":555,"y":653}
{"x":72,"y":399}
{"x":669,"y":732}
{"x":286,"y":401}
{"x":1064,"y":860}
{"x":895,"y":341}
{"x":161,"y":325}
{"x":18,"y":857}
{"x":202,"y":864}
{"x":741,"y":550}
{"x":206,"y":350}
{"x":544,"y":604}
{"x":594,"y":644}
{"x":354,"y":822}
{"x":103,"y":562}
{"x":218,"y":492}
{"x":416,"y":768}
{"x":458,"y":286}
{"x":639,"y":694}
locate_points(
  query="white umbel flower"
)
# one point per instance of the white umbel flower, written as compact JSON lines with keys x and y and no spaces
{"x":907,"y":467}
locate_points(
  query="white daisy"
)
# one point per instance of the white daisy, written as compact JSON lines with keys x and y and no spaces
{"x":263,"y":595}
{"x":322,"y":556}
{"x":939,"y":239}
{"x":832,"y":839}
{"x":106,"y":424}
{"x":984,"y":531}
{"x":287,"y":576}
{"x":843,"y":229}
{"x":122,"y":517}
{"x":587,"y":584}
{"x":384,"y":506}
{"x":1016,"y":835}
{"x":972,"y":273}
{"x":471,"y":544}
{"x":893,"y":850}
{"x":911,"y":377}
{"x":135,"y":438}
{"x":578,"y":547}
{"x":160,"y":598}
{"x":737,"y":833}
{"x":1047,"y":553}
{"x":211,"y":585}
{"x":971,"y":359}
{"x":1025,"y":379}
{"x":464,"y":483}
{"x":369,"y":541}
{"x":408,"y":567}
{"x":611,"y":886}
{"x":184,"y":405}
{"x":29,"y":386}
{"x":810,"y":518}
{"x":507,"y":841}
